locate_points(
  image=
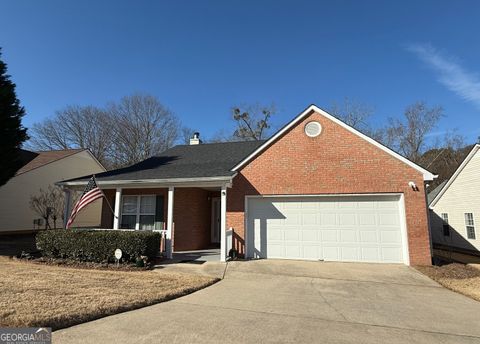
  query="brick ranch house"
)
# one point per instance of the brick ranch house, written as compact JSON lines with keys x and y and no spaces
{"x":318,"y":189}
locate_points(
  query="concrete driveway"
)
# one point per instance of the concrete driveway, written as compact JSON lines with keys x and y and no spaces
{"x":272,"y":301}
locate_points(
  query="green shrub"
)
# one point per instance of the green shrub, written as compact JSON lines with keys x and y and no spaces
{"x":97,"y":246}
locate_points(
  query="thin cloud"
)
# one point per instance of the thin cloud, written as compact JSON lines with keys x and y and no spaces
{"x":450,"y":73}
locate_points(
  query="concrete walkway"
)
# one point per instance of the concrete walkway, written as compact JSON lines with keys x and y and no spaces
{"x":273,"y":301}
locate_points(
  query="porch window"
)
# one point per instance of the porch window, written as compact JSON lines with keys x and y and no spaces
{"x":138,"y":212}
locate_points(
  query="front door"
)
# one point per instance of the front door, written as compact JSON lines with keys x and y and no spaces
{"x":215,"y":237}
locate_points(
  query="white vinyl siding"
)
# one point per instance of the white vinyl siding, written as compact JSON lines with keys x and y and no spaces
{"x":352,"y":228}
{"x":463,"y":196}
{"x":15,"y":211}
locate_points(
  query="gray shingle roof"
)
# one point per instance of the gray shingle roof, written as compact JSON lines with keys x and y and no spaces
{"x":432,"y":194}
{"x":185,"y":161}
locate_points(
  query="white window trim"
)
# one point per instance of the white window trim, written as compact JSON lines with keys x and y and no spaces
{"x":137,"y":213}
{"x":445,"y":222}
{"x":467,"y":224}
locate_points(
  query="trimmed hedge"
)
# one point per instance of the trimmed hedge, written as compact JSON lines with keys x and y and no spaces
{"x":97,"y":245}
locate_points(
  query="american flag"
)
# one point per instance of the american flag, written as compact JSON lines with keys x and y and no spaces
{"x":92,"y":192}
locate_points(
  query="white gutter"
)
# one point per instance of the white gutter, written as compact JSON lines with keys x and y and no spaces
{"x":154,"y":182}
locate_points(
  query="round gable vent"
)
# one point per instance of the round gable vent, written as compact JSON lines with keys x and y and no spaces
{"x":313,"y":129}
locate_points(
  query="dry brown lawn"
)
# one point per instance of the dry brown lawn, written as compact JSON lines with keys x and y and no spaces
{"x":461,"y":278}
{"x":50,"y":296}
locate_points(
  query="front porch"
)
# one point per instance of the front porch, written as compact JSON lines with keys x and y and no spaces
{"x":192,"y":218}
{"x":197,"y":256}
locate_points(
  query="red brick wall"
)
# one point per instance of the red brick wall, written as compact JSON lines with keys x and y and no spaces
{"x":192,"y":217}
{"x":336,"y":162}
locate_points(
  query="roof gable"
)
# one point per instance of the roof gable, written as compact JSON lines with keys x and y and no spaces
{"x":313,"y":108}
{"x":459,"y":170}
{"x":42,"y":158}
{"x":432,"y":194}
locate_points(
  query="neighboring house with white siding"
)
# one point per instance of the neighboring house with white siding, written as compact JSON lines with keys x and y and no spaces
{"x":455,"y":208}
{"x":39,"y":171}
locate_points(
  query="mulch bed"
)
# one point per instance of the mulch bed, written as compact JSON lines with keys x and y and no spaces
{"x":461,"y":278}
{"x":86,"y":265}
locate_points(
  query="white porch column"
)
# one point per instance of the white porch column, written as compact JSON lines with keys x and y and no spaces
{"x":116,"y":215}
{"x":168,"y":236}
{"x":223,"y":223}
{"x":68,"y":201}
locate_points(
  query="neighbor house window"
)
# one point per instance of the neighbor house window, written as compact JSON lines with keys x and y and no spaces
{"x":470,"y":225}
{"x":138,"y":212}
{"x":446,"y":226}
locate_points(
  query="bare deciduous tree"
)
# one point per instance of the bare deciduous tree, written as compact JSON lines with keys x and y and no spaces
{"x":75,"y":127}
{"x":222,"y":135}
{"x":129,"y":131}
{"x":447,"y":154}
{"x":354,"y":113}
{"x":49,"y":205}
{"x":409,"y":135}
{"x":357,"y":115}
{"x":253,"y":121}
{"x":142,"y":127}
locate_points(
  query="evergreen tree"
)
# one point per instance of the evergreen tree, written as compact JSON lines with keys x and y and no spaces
{"x":12,"y":133}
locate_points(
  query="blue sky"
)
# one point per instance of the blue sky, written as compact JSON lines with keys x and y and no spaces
{"x":202,"y":57}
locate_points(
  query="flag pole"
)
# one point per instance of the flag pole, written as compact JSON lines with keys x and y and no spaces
{"x":105,"y":197}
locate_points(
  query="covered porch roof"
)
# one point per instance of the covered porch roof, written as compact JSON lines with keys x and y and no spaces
{"x":184,"y":165}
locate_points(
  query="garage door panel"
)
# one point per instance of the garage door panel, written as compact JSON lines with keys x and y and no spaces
{"x":367,"y":219}
{"x":390,"y":237}
{"x":349,"y":254}
{"x":291,"y":204}
{"x":293,"y":219}
{"x":292,"y":234}
{"x":348,"y":236}
{"x":330,"y":235}
{"x":275,"y":234}
{"x":331,"y":253}
{"x":328,"y":219}
{"x":310,"y":218}
{"x":310,"y":205}
{"x":388,"y":219}
{"x":366,"y":205}
{"x":312,"y":251}
{"x":369,"y":236}
{"x":293,"y":251}
{"x":275,"y":251}
{"x":347,"y":219}
{"x":391,"y":254}
{"x":387,"y":205}
{"x":371,"y":254}
{"x":346,"y":205}
{"x":310,"y":236}
{"x":357,"y":228}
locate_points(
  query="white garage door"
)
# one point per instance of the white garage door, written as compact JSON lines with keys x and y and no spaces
{"x":350,"y":228}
